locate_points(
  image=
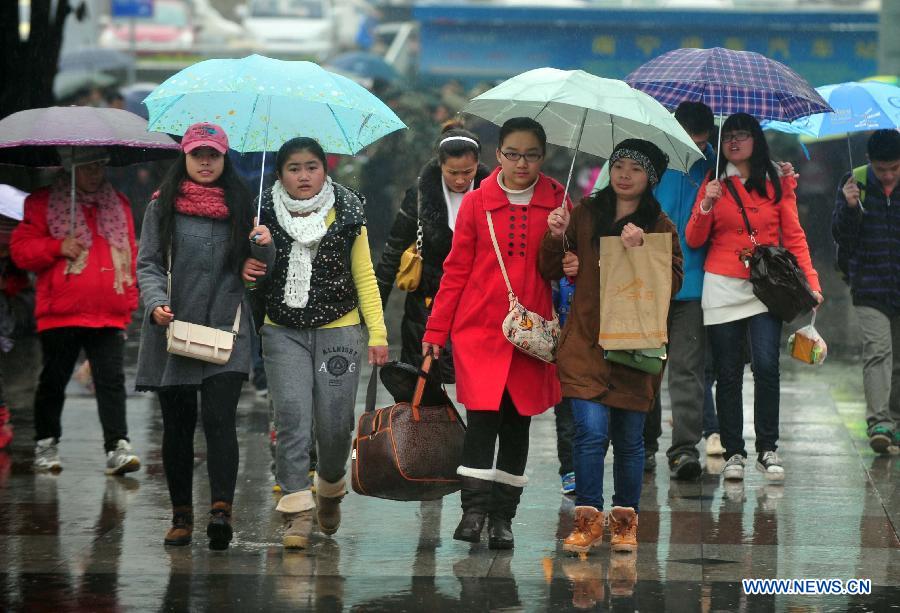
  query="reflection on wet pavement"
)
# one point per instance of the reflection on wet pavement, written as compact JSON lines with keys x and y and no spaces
{"x":82,"y":541}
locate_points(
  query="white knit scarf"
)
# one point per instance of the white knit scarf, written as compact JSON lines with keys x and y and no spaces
{"x":307,"y":231}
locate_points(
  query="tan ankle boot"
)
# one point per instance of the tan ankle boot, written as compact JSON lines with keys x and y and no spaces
{"x":623,"y":524}
{"x":297,"y":527}
{"x":328,"y":504}
{"x":182,"y":526}
{"x":588,"y":531}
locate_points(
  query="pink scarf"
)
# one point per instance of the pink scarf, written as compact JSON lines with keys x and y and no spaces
{"x":112,"y":225}
{"x":201,"y":201}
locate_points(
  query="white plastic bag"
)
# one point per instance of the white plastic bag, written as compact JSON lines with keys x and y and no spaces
{"x":807,"y":345}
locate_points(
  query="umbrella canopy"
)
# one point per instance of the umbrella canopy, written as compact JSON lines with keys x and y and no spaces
{"x":94,"y":59}
{"x":67,"y":84}
{"x":12,"y":202}
{"x":30,"y":138}
{"x":587,"y":113}
{"x":365,"y":65}
{"x":858,"y":107}
{"x":729,"y":82}
{"x":261,"y":103}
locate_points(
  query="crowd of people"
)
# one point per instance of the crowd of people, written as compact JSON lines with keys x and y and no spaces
{"x":304,"y":282}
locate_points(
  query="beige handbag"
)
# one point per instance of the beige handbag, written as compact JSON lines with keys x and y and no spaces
{"x":204,"y":343}
{"x":528,"y":331}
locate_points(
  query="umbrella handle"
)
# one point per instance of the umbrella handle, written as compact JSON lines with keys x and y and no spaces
{"x":719,"y":148}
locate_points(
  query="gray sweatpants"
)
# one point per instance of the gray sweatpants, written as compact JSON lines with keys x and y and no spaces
{"x":881,"y":367}
{"x":312,"y":372}
{"x":687,"y":383}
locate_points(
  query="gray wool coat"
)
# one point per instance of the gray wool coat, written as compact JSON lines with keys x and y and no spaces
{"x":206,"y":290}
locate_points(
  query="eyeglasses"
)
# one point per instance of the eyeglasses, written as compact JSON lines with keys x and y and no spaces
{"x":515,"y":156}
{"x":739,"y":136}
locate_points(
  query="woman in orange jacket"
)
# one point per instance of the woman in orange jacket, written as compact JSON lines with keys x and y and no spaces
{"x":730,"y":309}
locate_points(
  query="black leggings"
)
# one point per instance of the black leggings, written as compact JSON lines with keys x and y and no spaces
{"x":219,"y":396}
{"x":483,"y":428}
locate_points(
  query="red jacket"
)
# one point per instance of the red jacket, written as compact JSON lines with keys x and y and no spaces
{"x":87,"y":299}
{"x":723,"y":228}
{"x":472,"y":300}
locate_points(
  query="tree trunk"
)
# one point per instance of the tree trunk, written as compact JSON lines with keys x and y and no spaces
{"x":28,"y":67}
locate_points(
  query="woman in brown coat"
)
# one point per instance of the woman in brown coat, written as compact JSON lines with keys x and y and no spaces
{"x":609,"y":401}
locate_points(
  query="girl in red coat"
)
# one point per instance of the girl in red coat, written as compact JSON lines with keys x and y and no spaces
{"x":730,"y":309}
{"x":500,"y":386}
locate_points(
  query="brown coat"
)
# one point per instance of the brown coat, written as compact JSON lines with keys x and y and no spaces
{"x":583,"y":372}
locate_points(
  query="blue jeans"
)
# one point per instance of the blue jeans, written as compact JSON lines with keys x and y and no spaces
{"x":728,"y":343}
{"x":595,"y":426}
{"x":710,"y":421}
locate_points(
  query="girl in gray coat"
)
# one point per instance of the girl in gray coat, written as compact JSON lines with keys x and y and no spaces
{"x":198,"y":224}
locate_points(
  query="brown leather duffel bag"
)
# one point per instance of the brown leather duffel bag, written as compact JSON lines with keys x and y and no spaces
{"x":407,"y":451}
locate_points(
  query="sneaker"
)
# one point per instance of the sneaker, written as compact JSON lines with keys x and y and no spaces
{"x":121,"y":460}
{"x":768,"y":463}
{"x":880,"y":439}
{"x":649,"y":461}
{"x":685,"y":467}
{"x":262,"y":393}
{"x":714,"y":445}
{"x":568,"y":484}
{"x":734,"y":467}
{"x":46,"y":455}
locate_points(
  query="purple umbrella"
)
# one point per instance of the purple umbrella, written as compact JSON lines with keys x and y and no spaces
{"x":728,"y":82}
{"x":31,"y":138}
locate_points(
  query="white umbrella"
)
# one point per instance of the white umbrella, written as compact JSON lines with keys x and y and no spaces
{"x":587,"y":113}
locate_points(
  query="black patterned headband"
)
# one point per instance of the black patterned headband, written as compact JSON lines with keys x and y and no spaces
{"x":640,"y":158}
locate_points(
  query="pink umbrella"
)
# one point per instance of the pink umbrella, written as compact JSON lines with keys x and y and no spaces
{"x":32,"y":137}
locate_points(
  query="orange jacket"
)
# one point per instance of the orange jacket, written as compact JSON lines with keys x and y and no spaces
{"x":724,"y":230}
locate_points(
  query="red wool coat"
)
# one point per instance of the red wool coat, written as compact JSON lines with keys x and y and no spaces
{"x":472,"y":300}
{"x":87,"y":299}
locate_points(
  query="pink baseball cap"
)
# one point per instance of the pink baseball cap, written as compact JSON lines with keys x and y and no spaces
{"x":204,"y":134}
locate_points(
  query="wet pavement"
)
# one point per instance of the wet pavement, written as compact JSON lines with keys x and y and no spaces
{"x":82,"y":541}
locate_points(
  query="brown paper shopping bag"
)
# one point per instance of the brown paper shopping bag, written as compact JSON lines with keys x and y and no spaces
{"x":635,"y":291}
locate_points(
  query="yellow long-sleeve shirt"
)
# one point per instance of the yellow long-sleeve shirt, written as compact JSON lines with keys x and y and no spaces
{"x":366,"y":291}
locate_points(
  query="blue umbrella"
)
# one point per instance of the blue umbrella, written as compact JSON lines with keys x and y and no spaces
{"x":261,"y":103}
{"x":366,"y":65}
{"x":858,"y":107}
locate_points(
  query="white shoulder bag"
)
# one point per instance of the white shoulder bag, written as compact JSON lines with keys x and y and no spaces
{"x":199,"y":342}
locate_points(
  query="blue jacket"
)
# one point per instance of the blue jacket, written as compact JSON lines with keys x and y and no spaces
{"x":676,"y":193}
{"x":872,"y":242}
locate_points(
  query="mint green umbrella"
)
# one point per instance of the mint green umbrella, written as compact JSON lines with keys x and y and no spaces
{"x":587,"y":113}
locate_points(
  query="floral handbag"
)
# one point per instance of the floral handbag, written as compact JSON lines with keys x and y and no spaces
{"x":528,"y":331}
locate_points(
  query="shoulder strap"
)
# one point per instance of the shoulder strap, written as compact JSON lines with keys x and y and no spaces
{"x":737,"y":198}
{"x":420,"y":234}
{"x":861,"y":173}
{"x":512,"y":294}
